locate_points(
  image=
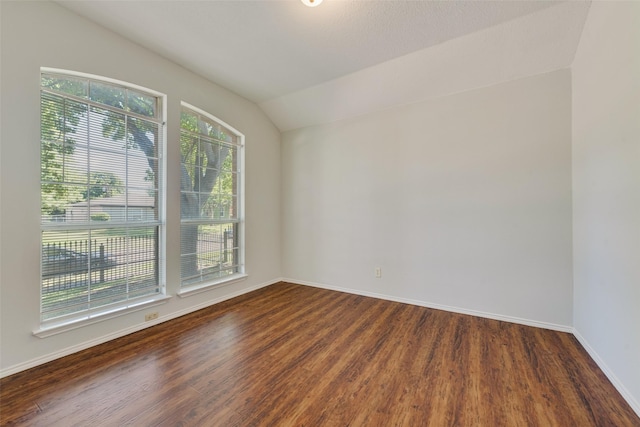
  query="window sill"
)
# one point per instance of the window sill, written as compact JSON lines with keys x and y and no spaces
{"x":68,"y":325}
{"x":196,"y":289}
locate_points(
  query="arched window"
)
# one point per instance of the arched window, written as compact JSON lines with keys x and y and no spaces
{"x":211,"y":200}
{"x":101,"y":195}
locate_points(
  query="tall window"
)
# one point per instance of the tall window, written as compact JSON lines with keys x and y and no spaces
{"x":211,"y":199}
{"x":101,"y":151}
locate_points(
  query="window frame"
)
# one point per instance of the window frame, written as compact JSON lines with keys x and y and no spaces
{"x":90,"y":315}
{"x":240,"y":274}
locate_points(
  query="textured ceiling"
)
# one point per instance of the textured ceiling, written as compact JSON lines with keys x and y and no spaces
{"x":277,"y":52}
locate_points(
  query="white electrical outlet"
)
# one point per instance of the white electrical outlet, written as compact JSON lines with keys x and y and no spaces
{"x":378,"y":272}
{"x":151,"y":316}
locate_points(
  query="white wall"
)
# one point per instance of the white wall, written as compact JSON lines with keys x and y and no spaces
{"x":463,"y":201}
{"x":606,"y":197}
{"x":36,"y":34}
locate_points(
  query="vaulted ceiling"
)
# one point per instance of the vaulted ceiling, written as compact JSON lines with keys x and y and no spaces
{"x":306,"y":66}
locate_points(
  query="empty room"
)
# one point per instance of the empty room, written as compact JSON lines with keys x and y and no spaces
{"x":320,"y":213}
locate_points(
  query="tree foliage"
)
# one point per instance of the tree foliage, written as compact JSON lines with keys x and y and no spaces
{"x":204,"y":160}
{"x":103,"y":184}
{"x":59,"y":120}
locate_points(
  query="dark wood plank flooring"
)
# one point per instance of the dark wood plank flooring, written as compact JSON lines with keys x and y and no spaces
{"x":290,"y":355}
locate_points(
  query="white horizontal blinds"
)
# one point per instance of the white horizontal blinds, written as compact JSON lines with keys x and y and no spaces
{"x":210,"y":199}
{"x":100,"y":190}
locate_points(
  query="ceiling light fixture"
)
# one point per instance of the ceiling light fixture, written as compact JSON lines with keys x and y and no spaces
{"x":311,"y":3}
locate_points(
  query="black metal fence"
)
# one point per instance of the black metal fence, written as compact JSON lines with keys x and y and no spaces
{"x":221,"y":244}
{"x":77,"y":263}
{"x":72,"y":264}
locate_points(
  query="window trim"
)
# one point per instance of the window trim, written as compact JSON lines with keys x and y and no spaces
{"x":196,"y":288}
{"x":55,"y":328}
{"x":71,"y":73}
{"x":86,"y":317}
{"x":207,"y":286}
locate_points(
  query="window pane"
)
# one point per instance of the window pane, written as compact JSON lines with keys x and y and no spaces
{"x":111,"y":207}
{"x":75,"y":129}
{"x":106,"y":130}
{"x":107,"y":94}
{"x":63,"y":164}
{"x":229,"y":161}
{"x":108,"y":281}
{"x":97,"y":268}
{"x":132,"y":265}
{"x":63,"y":146}
{"x":212,"y":156}
{"x":142,"y":104}
{"x":52,"y":118}
{"x":65,"y":267}
{"x":99,"y":185}
{"x":206,"y":250}
{"x":142,"y":206}
{"x":209,"y":195}
{"x":188,"y":148}
{"x":69,"y":85}
{"x":110,"y":163}
{"x":63,"y":203}
{"x":143,"y":135}
{"x":142,"y":172}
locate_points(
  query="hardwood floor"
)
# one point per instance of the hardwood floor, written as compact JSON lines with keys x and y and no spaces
{"x":290,"y":355}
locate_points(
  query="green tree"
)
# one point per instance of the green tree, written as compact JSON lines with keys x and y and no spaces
{"x":201,"y":166}
{"x":103,"y":184}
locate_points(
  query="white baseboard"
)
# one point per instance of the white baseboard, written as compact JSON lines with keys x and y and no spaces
{"x":135,"y":328}
{"x":635,"y":405}
{"x":511,"y":319}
